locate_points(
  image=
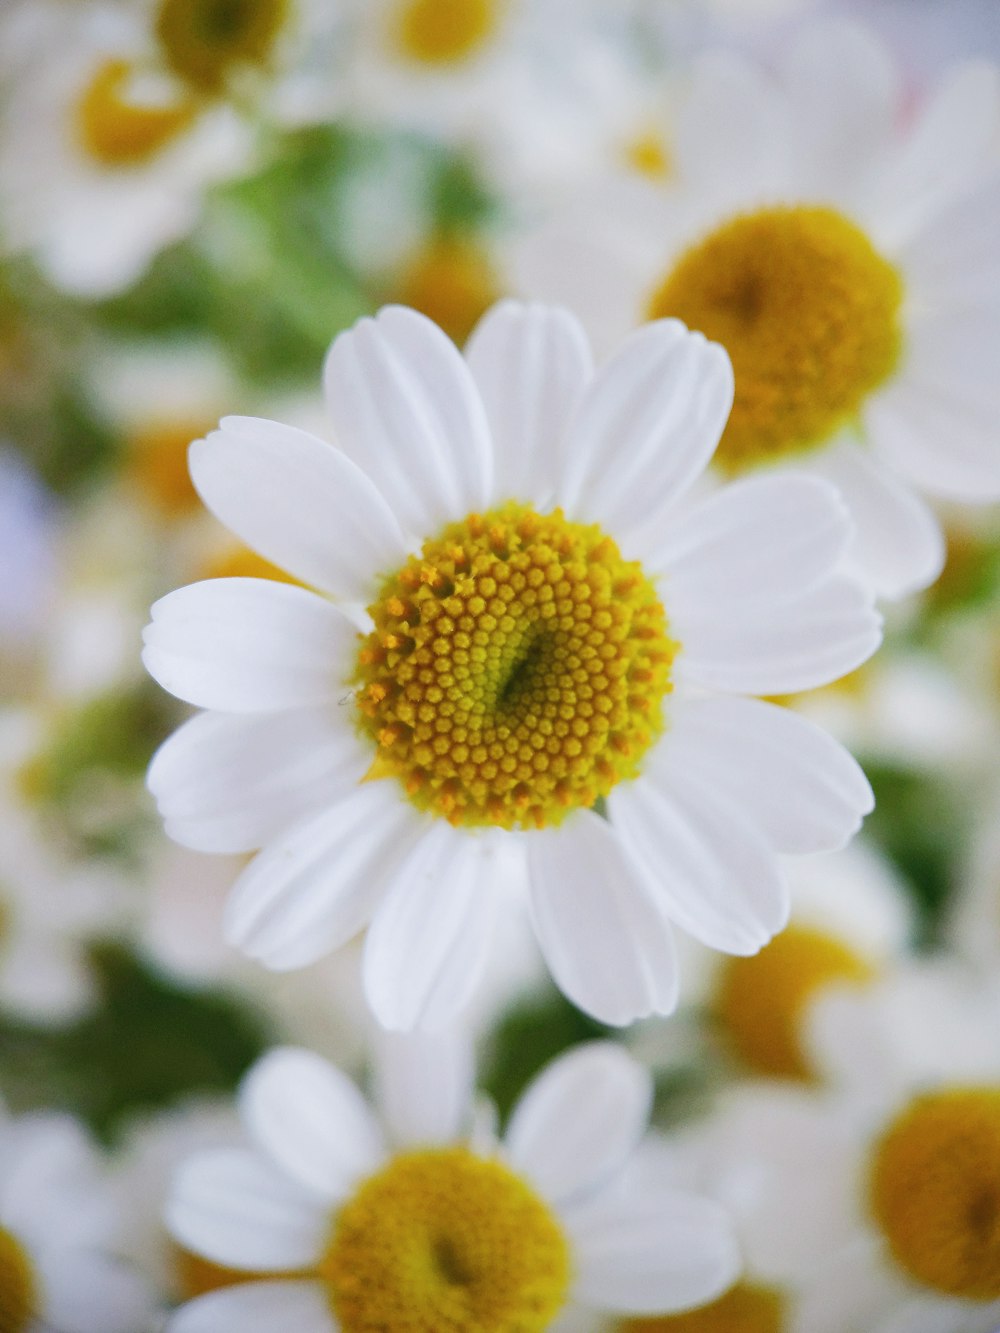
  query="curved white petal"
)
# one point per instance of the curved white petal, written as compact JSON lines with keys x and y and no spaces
{"x":579,"y":1120}
{"x":531,"y":363}
{"x":299,"y":502}
{"x":608,"y":945}
{"x":258,"y":1307}
{"x":424,"y":1085}
{"x":238,"y":1209}
{"x":248,"y":645}
{"x":228,"y":782}
{"x":429,"y":941}
{"x":84,"y":1291}
{"x":315,"y":887}
{"x":795,"y":782}
{"x":941,"y":274}
{"x":646,"y":427}
{"x":310,"y":1119}
{"x":405,"y":409}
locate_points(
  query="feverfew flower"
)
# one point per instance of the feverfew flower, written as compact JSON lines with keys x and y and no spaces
{"x":546,"y":693}
{"x":846,"y":259}
{"x":422,"y":1221}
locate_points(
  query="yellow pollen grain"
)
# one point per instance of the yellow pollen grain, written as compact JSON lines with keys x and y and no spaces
{"x":745,"y":1308}
{"x":649,"y":155}
{"x":117,"y":132}
{"x":205,"y":41}
{"x":808,"y":311}
{"x":452,"y":282}
{"x":934,"y":1191}
{"x":516,"y":670}
{"x":442,"y":1241}
{"x":759,"y":1002}
{"x":445,"y":32}
{"x":18,"y":1295}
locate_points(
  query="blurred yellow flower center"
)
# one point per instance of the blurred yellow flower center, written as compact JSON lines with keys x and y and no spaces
{"x":452,"y":282}
{"x":649,"y":155}
{"x":809,"y":313}
{"x":157,"y":464}
{"x":442,"y":1241}
{"x":743,"y":1309}
{"x":760,"y":1001}
{"x":516,"y":670}
{"x":17,"y":1286}
{"x":935,"y":1191}
{"x":444,"y":32}
{"x":204,"y":41}
{"x":118,"y":132}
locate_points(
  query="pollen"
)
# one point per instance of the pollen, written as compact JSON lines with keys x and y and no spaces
{"x":745,"y":1308}
{"x":760,"y":1002}
{"x":935,"y":1191}
{"x":116,"y":131}
{"x":442,"y":1241}
{"x":452,"y":282}
{"x":516,"y":670}
{"x":18,"y":1296}
{"x":205,"y":41}
{"x":445,"y":32}
{"x":809,"y":313}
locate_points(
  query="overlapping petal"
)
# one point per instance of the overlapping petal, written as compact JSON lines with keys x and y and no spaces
{"x":258,"y":1307}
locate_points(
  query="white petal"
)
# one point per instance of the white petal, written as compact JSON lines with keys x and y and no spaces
{"x":608,"y":945}
{"x":228,"y":782}
{"x":237,"y":1209}
{"x":310,"y":1119}
{"x":940,"y":272}
{"x":783,"y":648}
{"x":299,"y":502}
{"x":531,"y":363}
{"x":258,"y":1307}
{"x":429,"y":941}
{"x":317,"y":885}
{"x":763,"y":539}
{"x":579,"y":1120}
{"x":84,"y":1291}
{"x":708,"y":865}
{"x":646,"y":428}
{"x":652,"y":1252}
{"x":424,"y":1085}
{"x":406,"y":410}
{"x":248,"y":645}
{"x":898,"y":543}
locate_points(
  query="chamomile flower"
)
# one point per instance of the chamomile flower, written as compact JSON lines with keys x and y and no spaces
{"x":545,"y":694}
{"x":415,"y":1220}
{"x":848,"y":261}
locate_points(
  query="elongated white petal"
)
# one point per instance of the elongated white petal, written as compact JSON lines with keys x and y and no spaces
{"x":645,"y":429}
{"x":406,"y":410}
{"x":608,"y":945}
{"x":299,"y":502}
{"x":580,"y":1119}
{"x":238,"y":1209}
{"x":795,"y":782}
{"x":248,"y":645}
{"x":228,"y":782}
{"x":531,"y":363}
{"x":429,"y":941}
{"x":959,"y":278}
{"x":258,"y":1307}
{"x":424,"y":1084}
{"x":84,"y":1291}
{"x":316,"y":886}
{"x":309,"y":1118}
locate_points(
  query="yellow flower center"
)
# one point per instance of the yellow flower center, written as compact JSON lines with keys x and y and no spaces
{"x":452,"y":282}
{"x":239,"y":562}
{"x":17,"y":1286}
{"x":204,"y":41}
{"x":157,"y":464}
{"x":649,"y":154}
{"x":516,"y":670}
{"x":445,"y":32}
{"x":807,"y":310}
{"x":196,"y":1276}
{"x":935,"y":1191}
{"x":760,"y":1001}
{"x":743,"y":1309}
{"x":118,"y":132}
{"x":442,"y":1241}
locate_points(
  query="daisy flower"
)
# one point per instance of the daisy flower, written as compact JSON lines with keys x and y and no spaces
{"x":416,"y":1220}
{"x":546,"y":692}
{"x":847,"y":257}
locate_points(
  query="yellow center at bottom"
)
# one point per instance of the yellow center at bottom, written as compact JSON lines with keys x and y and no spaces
{"x":17,"y":1286}
{"x":745,"y":1308}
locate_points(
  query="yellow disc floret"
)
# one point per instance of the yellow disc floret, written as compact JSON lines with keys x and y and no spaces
{"x":205,"y":41}
{"x":745,"y":1308}
{"x":935,"y":1191}
{"x":516,"y":670}
{"x":117,"y":131}
{"x":445,"y":32}
{"x":18,"y":1297}
{"x":452,"y":282}
{"x":759,"y":1002}
{"x":808,"y":311}
{"x":442,"y":1241}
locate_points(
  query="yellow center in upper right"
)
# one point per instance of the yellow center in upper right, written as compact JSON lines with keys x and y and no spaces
{"x":809,"y":313}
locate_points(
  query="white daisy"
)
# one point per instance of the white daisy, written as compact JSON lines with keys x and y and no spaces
{"x":412,"y":1223}
{"x":848,"y":261}
{"x":512,"y":523}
